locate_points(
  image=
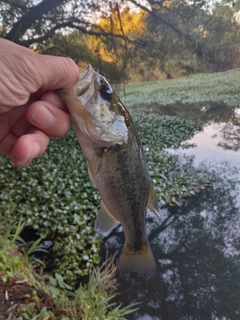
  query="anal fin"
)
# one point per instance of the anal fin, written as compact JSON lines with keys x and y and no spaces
{"x":105,"y":221}
{"x":152,"y":203}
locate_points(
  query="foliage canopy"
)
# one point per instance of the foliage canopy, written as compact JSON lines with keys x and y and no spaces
{"x":173,"y":37}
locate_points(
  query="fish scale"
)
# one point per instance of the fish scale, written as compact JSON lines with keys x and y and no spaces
{"x":116,"y":165}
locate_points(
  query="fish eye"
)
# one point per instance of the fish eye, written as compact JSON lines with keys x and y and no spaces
{"x":106,"y":93}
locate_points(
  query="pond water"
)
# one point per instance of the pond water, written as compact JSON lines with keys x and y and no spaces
{"x":196,"y":246}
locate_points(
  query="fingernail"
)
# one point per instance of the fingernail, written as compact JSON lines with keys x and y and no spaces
{"x":42,"y":117}
{"x":34,"y":152}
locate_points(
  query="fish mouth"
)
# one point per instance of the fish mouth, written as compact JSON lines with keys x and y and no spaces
{"x":86,"y":78}
{"x":85,"y":72}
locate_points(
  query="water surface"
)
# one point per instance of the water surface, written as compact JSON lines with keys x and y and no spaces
{"x":196,"y":246}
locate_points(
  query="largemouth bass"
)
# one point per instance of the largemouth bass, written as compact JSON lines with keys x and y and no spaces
{"x":116,"y":165}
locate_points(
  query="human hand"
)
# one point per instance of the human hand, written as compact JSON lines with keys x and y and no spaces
{"x":30,"y":112}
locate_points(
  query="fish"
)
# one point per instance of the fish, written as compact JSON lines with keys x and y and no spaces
{"x":116,"y":164}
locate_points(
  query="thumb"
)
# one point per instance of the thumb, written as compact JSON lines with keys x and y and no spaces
{"x":57,"y":72}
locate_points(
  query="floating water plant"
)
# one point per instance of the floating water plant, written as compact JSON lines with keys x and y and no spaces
{"x":56,"y":198}
{"x":218,"y":88}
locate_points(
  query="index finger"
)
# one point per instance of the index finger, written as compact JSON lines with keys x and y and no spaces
{"x":58,"y":72}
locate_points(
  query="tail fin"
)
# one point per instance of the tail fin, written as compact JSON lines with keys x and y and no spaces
{"x":142,"y":261}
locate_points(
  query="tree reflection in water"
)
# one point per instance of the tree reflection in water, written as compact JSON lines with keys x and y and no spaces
{"x":231,"y":133}
{"x":197,"y":251}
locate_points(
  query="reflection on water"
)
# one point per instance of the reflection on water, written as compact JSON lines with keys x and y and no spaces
{"x":197,"y":246}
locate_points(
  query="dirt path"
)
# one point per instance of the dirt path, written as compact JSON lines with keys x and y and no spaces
{"x":12,"y":299}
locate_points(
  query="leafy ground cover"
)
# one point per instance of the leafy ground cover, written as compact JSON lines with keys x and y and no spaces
{"x":219,"y":88}
{"x":56,"y":198}
{"x":173,"y":185}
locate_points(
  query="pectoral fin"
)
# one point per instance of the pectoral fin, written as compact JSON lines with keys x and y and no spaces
{"x":152,"y":203}
{"x":104,"y":221}
{"x":93,"y":171}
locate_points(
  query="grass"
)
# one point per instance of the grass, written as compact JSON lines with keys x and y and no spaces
{"x":35,"y":296}
{"x":219,"y":88}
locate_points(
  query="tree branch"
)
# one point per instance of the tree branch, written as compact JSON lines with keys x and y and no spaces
{"x":49,"y":34}
{"x":125,"y":41}
{"x":30,"y":17}
{"x":196,"y":49}
{"x":77,"y":25}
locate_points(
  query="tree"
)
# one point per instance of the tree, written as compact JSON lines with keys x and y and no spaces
{"x":168,"y":36}
{"x":74,"y":45}
{"x":46,"y":26}
{"x":184,"y":38}
{"x":29,"y":22}
{"x":116,"y":49}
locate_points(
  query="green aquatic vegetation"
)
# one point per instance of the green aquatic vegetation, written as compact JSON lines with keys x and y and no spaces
{"x":158,"y":134}
{"x":218,"y":88}
{"x":55,"y":197}
{"x":161,"y":132}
